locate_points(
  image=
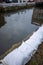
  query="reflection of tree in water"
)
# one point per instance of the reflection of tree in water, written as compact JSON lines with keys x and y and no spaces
{"x":21,"y":11}
{"x":18,"y":12}
{"x":37,"y":17}
{"x":2,"y":22}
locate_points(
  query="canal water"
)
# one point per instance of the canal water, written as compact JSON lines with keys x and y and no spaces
{"x":14,"y":27}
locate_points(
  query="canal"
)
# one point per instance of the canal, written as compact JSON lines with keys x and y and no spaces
{"x":14,"y":27}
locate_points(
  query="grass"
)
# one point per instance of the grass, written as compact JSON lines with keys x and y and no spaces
{"x":37,"y":59}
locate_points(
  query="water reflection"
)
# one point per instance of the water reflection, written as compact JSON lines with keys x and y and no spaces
{"x":37,"y":17}
{"x":17,"y":27}
{"x":2,"y":22}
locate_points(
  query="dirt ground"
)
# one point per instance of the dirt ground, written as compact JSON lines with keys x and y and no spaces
{"x":37,"y":59}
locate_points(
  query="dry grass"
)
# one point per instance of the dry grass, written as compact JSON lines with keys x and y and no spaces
{"x":37,"y":59}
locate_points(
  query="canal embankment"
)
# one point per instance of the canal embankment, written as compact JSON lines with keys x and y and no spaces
{"x":14,"y":46}
{"x":6,"y":7}
{"x":38,"y":57}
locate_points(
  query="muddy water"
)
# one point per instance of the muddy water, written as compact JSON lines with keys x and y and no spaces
{"x":14,"y":27}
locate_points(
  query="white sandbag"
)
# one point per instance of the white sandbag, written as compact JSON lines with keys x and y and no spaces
{"x":22,"y":54}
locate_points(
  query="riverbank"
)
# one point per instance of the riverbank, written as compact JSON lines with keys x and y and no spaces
{"x":7,"y":7}
{"x":14,"y":46}
{"x":37,"y":58}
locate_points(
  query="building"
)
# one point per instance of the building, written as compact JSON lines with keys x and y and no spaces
{"x":21,"y":1}
{"x":38,"y":0}
{"x":7,"y":1}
